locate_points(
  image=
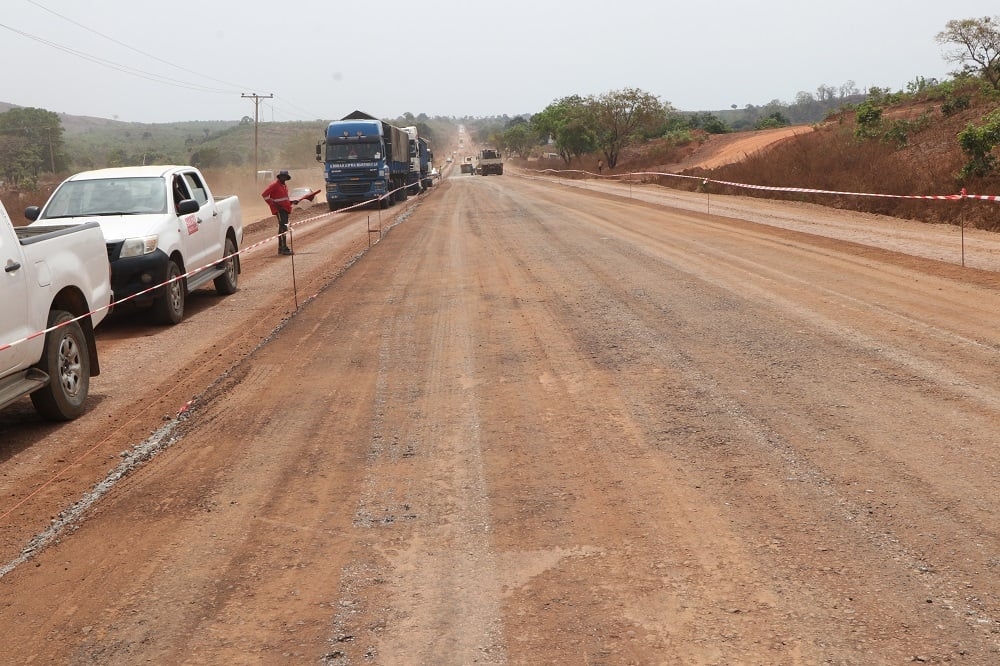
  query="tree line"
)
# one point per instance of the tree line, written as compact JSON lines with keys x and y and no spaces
{"x":32,"y":140}
{"x":605,"y":124}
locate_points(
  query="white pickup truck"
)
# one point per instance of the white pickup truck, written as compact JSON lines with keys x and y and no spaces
{"x":159,"y":222}
{"x":51,"y":276}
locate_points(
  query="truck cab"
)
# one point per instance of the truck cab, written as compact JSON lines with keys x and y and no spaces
{"x":365,"y":160}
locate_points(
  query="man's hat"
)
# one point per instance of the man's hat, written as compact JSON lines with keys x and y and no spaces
{"x":284,"y":175}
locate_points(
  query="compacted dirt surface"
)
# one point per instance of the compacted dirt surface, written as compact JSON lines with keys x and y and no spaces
{"x":536,"y":422}
{"x":721,"y":149}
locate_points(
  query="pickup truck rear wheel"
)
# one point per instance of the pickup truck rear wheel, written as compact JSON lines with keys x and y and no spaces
{"x":226,"y":283}
{"x":169,"y":307}
{"x":66,"y":360}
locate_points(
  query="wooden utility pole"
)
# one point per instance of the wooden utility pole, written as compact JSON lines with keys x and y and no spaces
{"x":256,"y":119}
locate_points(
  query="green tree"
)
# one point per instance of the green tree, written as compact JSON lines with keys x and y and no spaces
{"x":708,"y":122}
{"x":978,"y":46}
{"x":18,"y":161}
{"x":978,"y":143}
{"x":621,"y":116}
{"x":568,"y":123}
{"x":520,"y":139}
{"x":772,"y":121}
{"x":869,"y":120}
{"x":44,"y":133}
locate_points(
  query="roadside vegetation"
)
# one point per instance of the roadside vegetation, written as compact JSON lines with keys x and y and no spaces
{"x":933,"y":138}
{"x":39,"y":148}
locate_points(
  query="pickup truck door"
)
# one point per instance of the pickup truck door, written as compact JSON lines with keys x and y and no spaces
{"x":13,"y":297}
{"x":201,"y":228}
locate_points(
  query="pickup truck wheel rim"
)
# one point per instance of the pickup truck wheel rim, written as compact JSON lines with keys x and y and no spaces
{"x":176,"y":295}
{"x":70,"y":366}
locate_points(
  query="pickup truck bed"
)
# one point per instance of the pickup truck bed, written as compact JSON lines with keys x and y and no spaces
{"x":55,"y":277}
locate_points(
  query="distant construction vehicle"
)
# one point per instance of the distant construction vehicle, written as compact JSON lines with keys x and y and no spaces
{"x":489,"y":161}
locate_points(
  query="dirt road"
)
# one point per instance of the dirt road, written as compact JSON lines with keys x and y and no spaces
{"x":536,"y":423}
{"x":721,"y":149}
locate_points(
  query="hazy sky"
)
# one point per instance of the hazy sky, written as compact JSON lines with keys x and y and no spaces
{"x":323,"y":59}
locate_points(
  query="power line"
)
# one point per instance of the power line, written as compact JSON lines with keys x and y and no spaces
{"x":256,"y":120}
{"x":142,"y":73}
{"x":302,"y":114}
{"x":113,"y":65}
{"x":132,"y":48}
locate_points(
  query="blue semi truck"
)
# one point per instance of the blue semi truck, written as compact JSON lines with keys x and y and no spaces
{"x":364,"y":159}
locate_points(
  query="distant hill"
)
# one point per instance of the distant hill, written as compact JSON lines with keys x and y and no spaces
{"x":98,"y":142}
{"x":91,"y":143}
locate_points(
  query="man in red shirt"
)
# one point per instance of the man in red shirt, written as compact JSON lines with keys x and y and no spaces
{"x":276,"y":196}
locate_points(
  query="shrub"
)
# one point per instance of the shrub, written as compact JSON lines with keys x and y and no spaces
{"x":954,"y":104}
{"x":869,"y":120}
{"x":977,"y":143}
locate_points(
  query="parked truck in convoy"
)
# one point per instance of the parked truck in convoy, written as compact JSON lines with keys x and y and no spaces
{"x":364,"y":160}
{"x":413,"y":178}
{"x":53,"y":277}
{"x":419,"y":178}
{"x":489,"y":161}
{"x":159,"y":223}
{"x":427,"y":170}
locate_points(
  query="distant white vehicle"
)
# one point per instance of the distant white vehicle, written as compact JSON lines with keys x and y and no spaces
{"x":298,"y":194}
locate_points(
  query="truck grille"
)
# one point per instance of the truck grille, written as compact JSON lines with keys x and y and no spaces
{"x":353,"y":188}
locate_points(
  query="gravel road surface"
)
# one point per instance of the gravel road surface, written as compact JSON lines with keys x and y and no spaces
{"x":537,"y":422}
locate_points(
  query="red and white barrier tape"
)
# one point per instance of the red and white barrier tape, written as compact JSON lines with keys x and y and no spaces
{"x":937,"y":197}
{"x":244,"y":250}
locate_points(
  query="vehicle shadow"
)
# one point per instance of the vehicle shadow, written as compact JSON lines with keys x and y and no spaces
{"x":21,"y":427}
{"x":127,"y":320}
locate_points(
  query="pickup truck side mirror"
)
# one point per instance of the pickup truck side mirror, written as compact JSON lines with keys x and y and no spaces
{"x":31,"y":212}
{"x":319,"y":152}
{"x":187,"y":206}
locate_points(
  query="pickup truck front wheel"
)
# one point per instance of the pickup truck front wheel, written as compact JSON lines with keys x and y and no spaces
{"x":226,"y":283}
{"x":66,"y":360}
{"x":169,"y":307}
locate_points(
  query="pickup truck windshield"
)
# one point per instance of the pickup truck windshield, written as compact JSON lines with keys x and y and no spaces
{"x":108,"y":196}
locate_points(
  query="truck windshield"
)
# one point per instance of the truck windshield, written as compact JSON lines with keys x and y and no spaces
{"x":342,"y":152}
{"x":108,"y":196}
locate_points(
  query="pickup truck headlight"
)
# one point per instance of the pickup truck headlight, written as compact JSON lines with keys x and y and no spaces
{"x":136,"y":247}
